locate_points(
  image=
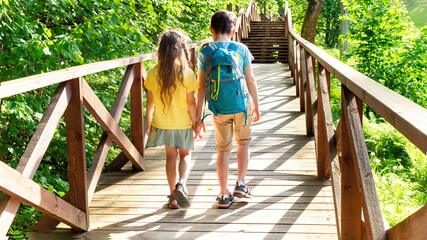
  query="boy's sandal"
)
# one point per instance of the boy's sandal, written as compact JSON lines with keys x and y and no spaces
{"x":172,"y":203}
{"x":181,"y":193}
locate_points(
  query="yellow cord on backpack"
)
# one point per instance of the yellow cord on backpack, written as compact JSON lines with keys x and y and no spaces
{"x":215,"y":90}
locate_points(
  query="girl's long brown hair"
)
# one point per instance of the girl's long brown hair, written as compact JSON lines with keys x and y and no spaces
{"x":172,"y":47}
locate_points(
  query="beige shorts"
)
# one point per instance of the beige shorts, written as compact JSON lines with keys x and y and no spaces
{"x":224,"y":130}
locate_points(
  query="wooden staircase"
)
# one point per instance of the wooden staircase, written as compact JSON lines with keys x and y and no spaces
{"x":267,"y":42}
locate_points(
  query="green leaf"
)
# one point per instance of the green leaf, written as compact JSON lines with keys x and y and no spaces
{"x":47,"y":32}
{"x":125,"y":26}
{"x":150,"y":9}
{"x":115,"y":19}
{"x":15,"y":49}
{"x":46,"y":51}
{"x":117,"y":2}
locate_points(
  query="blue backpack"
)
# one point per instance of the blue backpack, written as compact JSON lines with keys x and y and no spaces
{"x":226,"y":86}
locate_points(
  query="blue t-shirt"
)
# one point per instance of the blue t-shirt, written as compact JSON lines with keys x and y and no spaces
{"x":245,"y":56}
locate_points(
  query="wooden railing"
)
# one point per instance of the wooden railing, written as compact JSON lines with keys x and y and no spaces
{"x":341,"y":153}
{"x":244,"y":19}
{"x":71,"y":95}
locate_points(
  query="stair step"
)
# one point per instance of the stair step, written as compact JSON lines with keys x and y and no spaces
{"x":274,"y":28}
{"x":275,"y":46}
{"x":267,"y":26}
{"x":280,"y":55}
{"x":267,"y":23}
{"x":270,"y":48}
{"x":271,"y":58}
{"x":267,"y":61}
{"x":271,"y":44}
{"x":265,"y":42}
{"x":269,"y":53}
{"x":266,"y":37}
{"x":265,"y":31}
{"x":279,"y":39}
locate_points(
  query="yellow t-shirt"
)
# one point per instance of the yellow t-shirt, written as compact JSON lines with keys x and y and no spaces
{"x":175,"y":115}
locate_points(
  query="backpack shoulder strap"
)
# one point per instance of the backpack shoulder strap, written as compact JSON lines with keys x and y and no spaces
{"x":233,"y":46}
{"x":207,"y":51}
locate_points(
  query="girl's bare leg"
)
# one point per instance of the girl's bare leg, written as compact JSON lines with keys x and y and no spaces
{"x":171,"y":159}
{"x":184,"y":165}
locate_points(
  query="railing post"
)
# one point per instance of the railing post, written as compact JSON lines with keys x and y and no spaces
{"x":327,"y":158}
{"x":326,"y":137}
{"x":311,"y":98}
{"x":290,"y":57}
{"x":302,"y":77}
{"x":295,"y":65}
{"x":193,"y":58}
{"x":351,"y":224}
{"x":365,"y":181}
{"x":76,"y":150}
{"x":297,"y":68}
{"x":137,"y":112}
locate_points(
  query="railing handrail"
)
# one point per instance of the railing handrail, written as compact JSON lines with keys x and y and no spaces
{"x":407,"y":117}
{"x":25,"y":84}
{"x":341,"y":152}
{"x":243,"y":20}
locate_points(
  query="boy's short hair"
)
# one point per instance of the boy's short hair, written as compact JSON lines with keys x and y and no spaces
{"x":223,"y":21}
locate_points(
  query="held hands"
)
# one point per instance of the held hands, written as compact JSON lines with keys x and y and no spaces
{"x":197,"y":129}
{"x":255,"y":114}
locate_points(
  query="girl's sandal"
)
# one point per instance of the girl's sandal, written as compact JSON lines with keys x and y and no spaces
{"x":181,"y":193}
{"x":173,"y":203}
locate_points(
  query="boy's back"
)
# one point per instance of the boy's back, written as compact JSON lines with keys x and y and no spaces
{"x":244,"y":55}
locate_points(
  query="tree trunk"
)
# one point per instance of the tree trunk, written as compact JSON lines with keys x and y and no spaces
{"x":308,"y":30}
{"x":265,"y":10}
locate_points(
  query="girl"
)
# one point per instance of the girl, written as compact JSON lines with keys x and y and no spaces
{"x":171,"y":110}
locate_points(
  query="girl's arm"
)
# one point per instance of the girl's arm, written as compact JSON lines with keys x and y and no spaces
{"x":191,"y":105}
{"x":253,"y":90}
{"x":200,"y":94}
{"x":150,"y":108}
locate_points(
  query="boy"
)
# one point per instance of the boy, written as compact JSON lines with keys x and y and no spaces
{"x":223,"y":25}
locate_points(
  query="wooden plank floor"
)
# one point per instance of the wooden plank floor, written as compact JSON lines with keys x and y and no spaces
{"x":289,"y":201}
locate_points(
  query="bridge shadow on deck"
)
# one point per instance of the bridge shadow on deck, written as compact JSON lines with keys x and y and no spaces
{"x":289,"y":203}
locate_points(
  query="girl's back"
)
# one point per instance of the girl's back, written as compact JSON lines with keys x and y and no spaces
{"x":171,"y":114}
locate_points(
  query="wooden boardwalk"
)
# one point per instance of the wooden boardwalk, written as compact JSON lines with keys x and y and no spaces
{"x":289,"y":201}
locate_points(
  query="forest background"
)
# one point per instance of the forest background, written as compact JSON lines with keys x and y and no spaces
{"x":40,"y":36}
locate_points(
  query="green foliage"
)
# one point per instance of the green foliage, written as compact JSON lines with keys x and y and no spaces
{"x":387,"y":48}
{"x":417,"y":10}
{"x":298,"y":9}
{"x":40,"y":36}
{"x":397,"y":60}
{"x":328,"y":26}
{"x":400,"y":170}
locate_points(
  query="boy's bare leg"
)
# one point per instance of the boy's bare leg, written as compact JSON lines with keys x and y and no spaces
{"x":171,"y":159}
{"x":242,"y":161}
{"x":184,"y":165}
{"x":222,"y":171}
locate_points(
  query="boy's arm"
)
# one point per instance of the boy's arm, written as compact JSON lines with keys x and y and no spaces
{"x":253,"y":90}
{"x":150,"y":108}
